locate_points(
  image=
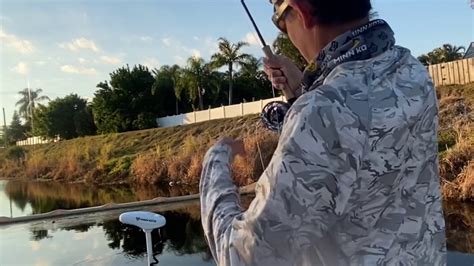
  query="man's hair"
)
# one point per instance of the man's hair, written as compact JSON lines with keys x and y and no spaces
{"x":334,"y":12}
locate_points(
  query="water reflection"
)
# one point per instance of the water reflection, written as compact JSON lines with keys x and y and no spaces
{"x":30,"y":197}
{"x":460,"y":226}
{"x":182,"y":239}
{"x":108,"y":242}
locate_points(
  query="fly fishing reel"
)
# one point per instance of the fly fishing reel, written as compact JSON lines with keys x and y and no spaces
{"x":273,"y":115}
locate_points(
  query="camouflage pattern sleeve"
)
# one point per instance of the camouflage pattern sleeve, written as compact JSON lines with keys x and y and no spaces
{"x":220,"y":202}
{"x":300,"y":196}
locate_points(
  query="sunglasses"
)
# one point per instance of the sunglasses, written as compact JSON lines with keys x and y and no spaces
{"x":279,"y":14}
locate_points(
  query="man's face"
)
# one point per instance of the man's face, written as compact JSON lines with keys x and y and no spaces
{"x":287,"y":21}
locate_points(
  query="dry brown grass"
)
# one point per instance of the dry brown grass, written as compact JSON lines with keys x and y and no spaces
{"x":455,"y":160}
{"x":184,"y":166}
{"x":175,"y":154}
{"x":10,"y":168}
{"x":148,"y":168}
{"x":36,"y":166}
{"x":147,"y":156}
{"x":195,"y":167}
{"x":457,"y":134}
{"x":462,"y":188}
{"x":259,"y":150}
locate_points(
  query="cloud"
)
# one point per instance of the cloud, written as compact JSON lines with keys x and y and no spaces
{"x":35,"y":246}
{"x":20,"y":45}
{"x":3,"y":18}
{"x":211,"y":45}
{"x":251,"y":39}
{"x":179,"y":60}
{"x":21,"y":68}
{"x":196,"y":53}
{"x":167,"y":41}
{"x":78,"y":70}
{"x":53,"y":246}
{"x":202,"y":47}
{"x":191,"y":51}
{"x":81,"y":60}
{"x":42,"y":262}
{"x":110,"y":60}
{"x":151,"y":63}
{"x":146,"y":39}
{"x":80,"y":43}
{"x":79,"y":236}
{"x":95,"y":243}
{"x":40,"y":63}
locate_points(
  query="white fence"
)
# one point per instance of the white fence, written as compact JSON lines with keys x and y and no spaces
{"x":34,"y":141}
{"x":216,"y":113}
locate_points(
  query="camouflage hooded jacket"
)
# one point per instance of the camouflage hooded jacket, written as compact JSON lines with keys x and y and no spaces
{"x":353,"y":181}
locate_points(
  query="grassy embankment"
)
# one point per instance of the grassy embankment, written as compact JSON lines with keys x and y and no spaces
{"x":175,"y":154}
{"x":148,"y":156}
{"x":456,"y":141}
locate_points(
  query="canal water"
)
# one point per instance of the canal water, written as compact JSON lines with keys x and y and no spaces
{"x":100,"y":239}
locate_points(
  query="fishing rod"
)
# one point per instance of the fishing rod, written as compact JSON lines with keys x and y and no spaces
{"x":267,"y":50}
{"x":273,"y":114}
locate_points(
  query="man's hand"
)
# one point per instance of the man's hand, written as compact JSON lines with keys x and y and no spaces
{"x":237,"y":146}
{"x":283,"y":73}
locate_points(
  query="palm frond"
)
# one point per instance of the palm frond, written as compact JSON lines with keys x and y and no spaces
{"x":239,"y":45}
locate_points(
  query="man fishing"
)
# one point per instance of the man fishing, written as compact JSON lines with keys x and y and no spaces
{"x":354,"y":179}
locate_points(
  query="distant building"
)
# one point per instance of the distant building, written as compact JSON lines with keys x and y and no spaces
{"x":469,"y":52}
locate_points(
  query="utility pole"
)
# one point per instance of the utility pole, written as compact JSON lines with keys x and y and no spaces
{"x":4,"y":128}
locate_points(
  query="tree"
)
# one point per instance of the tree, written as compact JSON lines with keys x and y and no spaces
{"x":252,"y":82}
{"x":453,"y":52}
{"x":16,"y":131}
{"x":445,"y":53}
{"x":127,"y":102}
{"x":283,"y":46}
{"x":166,"y":86}
{"x":252,"y":67}
{"x":28,"y":101}
{"x":229,"y":55}
{"x":197,"y":78}
{"x":67,"y":117}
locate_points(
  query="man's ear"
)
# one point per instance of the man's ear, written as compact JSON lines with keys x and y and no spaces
{"x":304,"y":10}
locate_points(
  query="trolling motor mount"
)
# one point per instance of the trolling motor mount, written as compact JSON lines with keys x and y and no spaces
{"x":147,"y":221}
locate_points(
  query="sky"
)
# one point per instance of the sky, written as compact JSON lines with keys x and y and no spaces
{"x":69,"y":46}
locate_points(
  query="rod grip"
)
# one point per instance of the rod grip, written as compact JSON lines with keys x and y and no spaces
{"x":289,"y":95}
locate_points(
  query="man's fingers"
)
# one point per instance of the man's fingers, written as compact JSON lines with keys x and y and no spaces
{"x":279,"y":80}
{"x":279,"y":86}
{"x":273,"y":62}
{"x":276,"y":72}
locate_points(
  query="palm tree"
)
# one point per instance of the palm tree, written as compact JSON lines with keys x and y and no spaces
{"x":252,"y":67}
{"x":195,"y":77}
{"x":453,"y":52}
{"x":172,"y":74}
{"x":229,"y":55}
{"x":28,"y":101}
{"x":175,"y":75}
{"x":446,"y":53}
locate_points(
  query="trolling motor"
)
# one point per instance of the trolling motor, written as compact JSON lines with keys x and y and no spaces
{"x":273,"y":113}
{"x":147,"y":221}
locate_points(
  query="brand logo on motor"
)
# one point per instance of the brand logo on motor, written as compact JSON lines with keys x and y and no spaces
{"x":145,"y":220}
